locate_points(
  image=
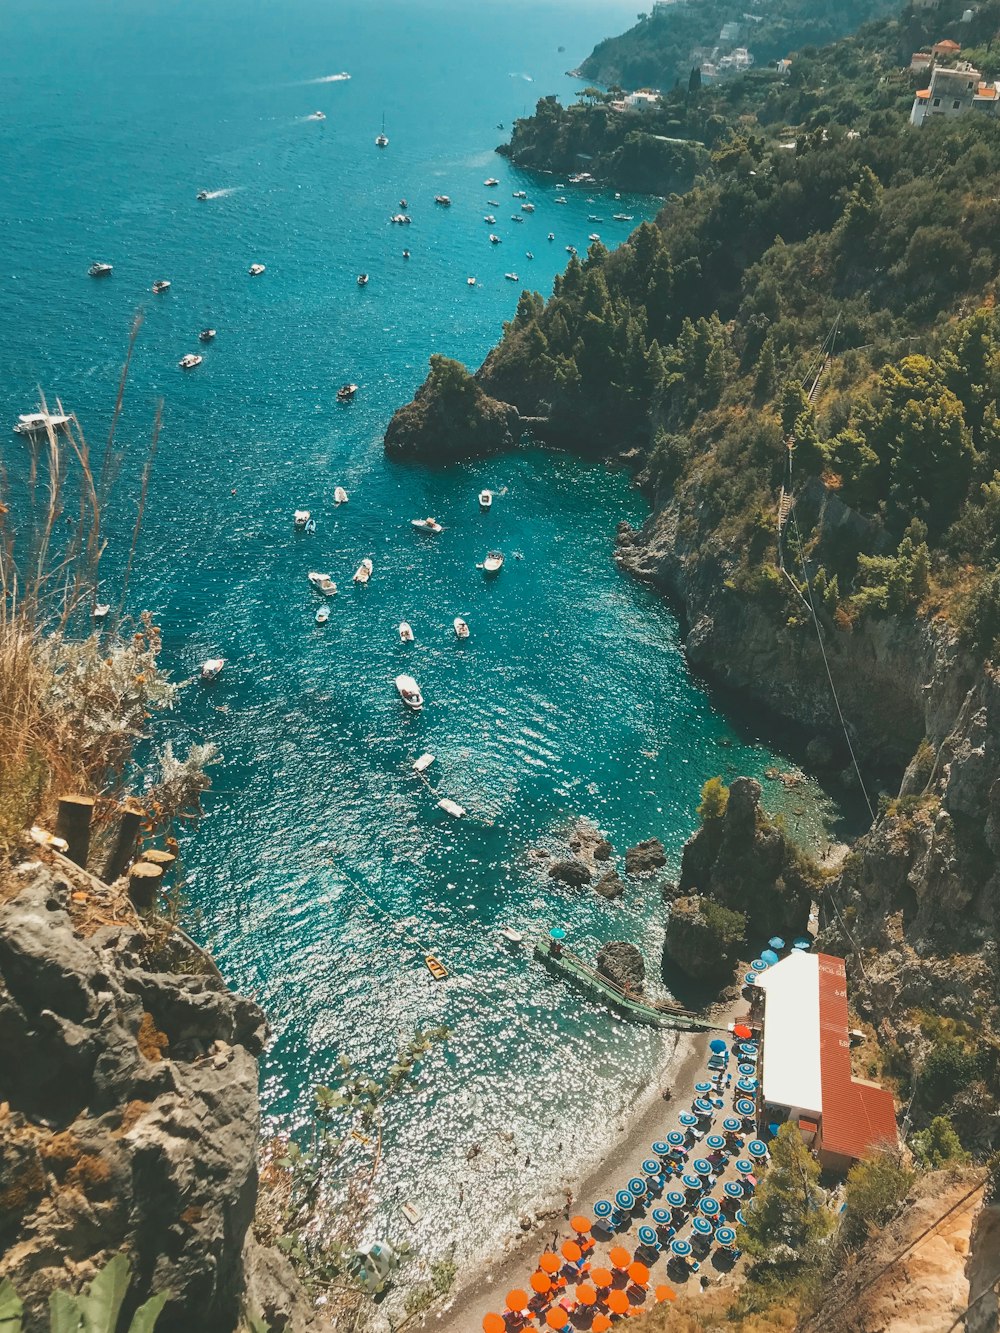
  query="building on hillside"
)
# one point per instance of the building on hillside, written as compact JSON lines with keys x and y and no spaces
{"x":805,"y":1072}
{"x":737,"y":61}
{"x":783,"y":66}
{"x":946,"y":50}
{"x":730,"y":32}
{"x":643,"y":99}
{"x":921,"y":62}
{"x":926,"y":4}
{"x":951,"y":93}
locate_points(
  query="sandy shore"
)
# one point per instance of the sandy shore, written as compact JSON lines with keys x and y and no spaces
{"x":653,"y":1117}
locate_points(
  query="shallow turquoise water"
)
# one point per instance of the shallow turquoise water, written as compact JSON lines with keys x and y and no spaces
{"x":571,"y":697}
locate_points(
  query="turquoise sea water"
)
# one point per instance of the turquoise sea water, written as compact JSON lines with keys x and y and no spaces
{"x":571,"y":697}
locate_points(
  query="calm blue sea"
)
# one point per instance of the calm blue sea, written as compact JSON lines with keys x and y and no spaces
{"x":323,"y":867}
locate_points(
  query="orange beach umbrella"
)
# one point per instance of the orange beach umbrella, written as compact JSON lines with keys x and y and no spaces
{"x":586,"y":1294}
{"x":601,"y":1277}
{"x":619,"y":1256}
{"x":571,"y":1251}
{"x":492,"y":1323}
{"x":742,"y":1031}
{"x":549,"y":1262}
{"x":601,"y":1324}
{"x":540,"y":1283}
{"x":664,"y":1293}
{"x":639,"y":1273}
{"x":557,"y":1318}
{"x":581,"y":1225}
{"x":517,"y":1299}
{"x":618,"y":1302}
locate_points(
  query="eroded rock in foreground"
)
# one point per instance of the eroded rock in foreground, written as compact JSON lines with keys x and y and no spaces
{"x":451,"y":418}
{"x":622,"y":962}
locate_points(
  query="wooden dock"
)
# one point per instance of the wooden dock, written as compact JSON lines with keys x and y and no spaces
{"x":570,"y":967}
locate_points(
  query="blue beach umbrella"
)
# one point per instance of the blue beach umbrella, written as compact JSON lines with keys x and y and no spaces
{"x":682,"y":1248}
{"x":660,"y":1147}
{"x":745,"y":1107}
{"x":637,"y":1187}
{"x":702,"y":1226}
{"x":757,"y":1149}
{"x":747,"y":1085}
{"x":803,"y":943}
{"x":624,"y":1200}
{"x":747,"y":1069}
{"x":703,"y":1087}
{"x":602,"y":1208}
{"x":557,"y":933}
{"x":647,"y":1236}
{"x":701,"y":1167}
{"x":652,"y":1168}
{"x":686,"y":1118}
{"x":717,"y":1045}
{"x":758,"y":965}
{"x":662,"y":1216}
{"x":703,"y":1107}
{"x":675,"y":1138}
{"x":726,"y":1236}
{"x":709,"y":1206}
{"x":750,"y":979}
{"x":744,"y":1166}
{"x":676,"y":1200}
{"x":731,"y":1125}
{"x":749,"y":1048}
{"x":734,"y":1189}
{"x":715,"y":1142}
{"x":740,"y":1218}
{"x":769,"y":957}
{"x":691,"y":1182}
{"x":776,"y":942}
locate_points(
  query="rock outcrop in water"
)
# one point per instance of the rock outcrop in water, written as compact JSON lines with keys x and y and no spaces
{"x":622,"y":963}
{"x":703,"y":940}
{"x":451,"y":418}
{"x":129,"y":1118}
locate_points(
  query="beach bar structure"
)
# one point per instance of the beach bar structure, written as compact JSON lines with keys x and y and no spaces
{"x":806,"y":1072}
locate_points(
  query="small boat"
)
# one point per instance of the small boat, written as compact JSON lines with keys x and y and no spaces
{"x":593,"y":236}
{"x":493,"y":562}
{"x":346,"y":392}
{"x":471,"y":281}
{"x":339,"y":496}
{"x":409,"y":692}
{"x":512,"y":277}
{"x":211,"y":667}
{"x":422,"y":764}
{"x":592,"y":217}
{"x":516,"y":217}
{"x":364,"y":571}
{"x":317,"y":115}
{"x":405,"y":632}
{"x":206,"y":335}
{"x":256,"y":270}
{"x":310,"y":526}
{"x":406,"y":254}
{"x":461,"y":628}
{"x":551,"y":236}
{"x":301,"y":517}
{"x":381,"y":139}
{"x":323,"y":583}
{"x":528,"y":254}
{"x":527,"y":208}
{"x":485,"y":499}
{"x":435,"y":967}
{"x":101,"y":610}
{"x":623,"y":217}
{"x":520,"y":194}
{"x":401,"y":219}
{"x":571,"y":249}
{"x":362,"y":279}
{"x":190,"y":360}
{"x":100,"y":270}
{"x":443,"y":200}
{"x":489,"y":184}
{"x":322,"y":615}
{"x":489,"y":218}
{"x":202,"y":194}
{"x":494,"y":240}
{"x":499,"y":124}
{"x":451,"y":807}
{"x":426,"y":525}
{"x":561,"y":201}
{"x":39,"y":423}
{"x":511,"y":935}
{"x":493,"y":203}
{"x":161,"y":285}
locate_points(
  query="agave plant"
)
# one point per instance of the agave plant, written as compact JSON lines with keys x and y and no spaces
{"x":95,"y":1310}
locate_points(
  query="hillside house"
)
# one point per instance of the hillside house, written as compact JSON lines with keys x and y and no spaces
{"x":953,"y":92}
{"x":946,"y":50}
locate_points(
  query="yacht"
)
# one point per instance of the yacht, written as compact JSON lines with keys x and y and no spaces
{"x":571,"y":249}
{"x":451,"y":807}
{"x":346,"y":392}
{"x":489,"y":218}
{"x":551,"y":236}
{"x":317,"y":115}
{"x":527,"y":208}
{"x":493,"y":203}
{"x":401,"y":219}
{"x":520,"y":194}
{"x":39,"y":423}
{"x":206,"y":335}
{"x":422,"y":764}
{"x":493,"y":563}
{"x":489,"y":184}
{"x":211,"y":667}
{"x":593,"y":236}
{"x":516,"y":217}
{"x":322,"y":615}
{"x":364,"y":571}
{"x":405,"y":632}
{"x":485,"y":499}
{"x":494,"y":240}
{"x":100,"y":270}
{"x":511,"y":277}
{"x":301,"y":518}
{"x":190,"y":360}
{"x":461,"y":628}
{"x":409,"y":692}
{"x":381,"y":140}
{"x":339,"y":496}
{"x":623,"y":217}
{"x":406,"y":254}
{"x":471,"y":281}
{"x":256,"y":270}
{"x":592,"y":217}
{"x":202,"y":194}
{"x":322,"y":583}
{"x":443,"y":200}
{"x":161,"y":285}
{"x":426,"y":525}
{"x":362,"y":279}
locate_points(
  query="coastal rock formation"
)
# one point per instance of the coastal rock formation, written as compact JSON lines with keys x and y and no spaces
{"x":130,"y":1116}
{"x":622,"y":963}
{"x":645,"y":856}
{"x":703,"y":940}
{"x":451,"y":418}
{"x":610,"y":885}
{"x":748,"y":865}
{"x":573,"y":873}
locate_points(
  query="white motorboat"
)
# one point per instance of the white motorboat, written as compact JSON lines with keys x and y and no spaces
{"x":339,"y":496}
{"x":405,"y":632}
{"x":190,"y":360}
{"x":520,"y":194}
{"x":310,"y":526}
{"x":512,"y":277}
{"x":623,"y":217}
{"x":206,"y":335}
{"x":322,"y":615}
{"x":571,"y":249}
{"x":562,"y":201}
{"x":516,"y":217}
{"x":256,"y":270}
{"x":364,"y":571}
{"x":409,"y":692}
{"x":485,"y":499}
{"x":491,"y":182}
{"x":493,"y":563}
{"x":443,"y":200}
{"x":317,"y":115}
{"x":381,"y":139}
{"x":346,"y":392}
{"x":511,"y":935}
{"x":426,"y":525}
{"x":211,"y":667}
{"x":323,"y":583}
{"x":401,"y":219}
{"x":493,"y":203}
{"x":451,"y":807}
{"x":422,"y":764}
{"x":593,"y":236}
{"x":592,"y":217}
{"x":461,"y":628}
{"x":491,"y":219}
{"x":494,"y":240}
{"x":471,"y":281}
{"x":528,"y":254}
{"x":202,"y":194}
{"x":528,"y":208}
{"x":161,"y":285}
{"x":301,"y":518}
{"x":39,"y":423}
{"x":100,"y":270}
{"x":362,"y":279}
{"x":101,"y":610}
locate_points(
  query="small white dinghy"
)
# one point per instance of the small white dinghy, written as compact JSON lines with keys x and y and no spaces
{"x":461,"y":628}
{"x":322,"y":583}
{"x":364,"y":571}
{"x":493,"y":563}
{"x":322,"y":615}
{"x":101,"y":610}
{"x":339,"y":496}
{"x":422,"y":764}
{"x":426,"y":525}
{"x":211,"y":667}
{"x":485,"y":499}
{"x":511,"y":935}
{"x":301,"y":518}
{"x":409,"y":692}
{"x":451,"y":807}
{"x":256,"y":270}
{"x":405,"y":632}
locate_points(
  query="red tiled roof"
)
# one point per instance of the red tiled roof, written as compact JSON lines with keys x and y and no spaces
{"x":856,"y":1116}
{"x":923,"y":94}
{"x":947,"y":45}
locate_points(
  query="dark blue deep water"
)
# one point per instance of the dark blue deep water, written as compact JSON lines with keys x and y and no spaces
{"x":323,"y":865}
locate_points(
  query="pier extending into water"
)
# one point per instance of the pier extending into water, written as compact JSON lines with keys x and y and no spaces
{"x":572,"y":968}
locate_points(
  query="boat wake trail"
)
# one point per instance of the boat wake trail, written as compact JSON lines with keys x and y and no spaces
{"x":330,"y":78}
{"x":222,"y":194}
{"x":526,"y":77}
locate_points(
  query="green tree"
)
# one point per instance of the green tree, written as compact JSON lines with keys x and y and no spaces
{"x":714,"y":799}
{"x":789,"y":1209}
{"x":875,"y":1189}
{"x":938,"y":1145}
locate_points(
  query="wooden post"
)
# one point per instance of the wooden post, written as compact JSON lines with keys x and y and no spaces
{"x":73,"y":824}
{"x":143,"y":882}
{"x":124,"y":846}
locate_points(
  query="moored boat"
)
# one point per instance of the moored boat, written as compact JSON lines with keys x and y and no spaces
{"x":593,"y":236}
{"x":310,"y":526}
{"x":381,"y":139}
{"x":623,"y":217}
{"x":322,"y":615}
{"x":301,"y":517}
{"x":190,"y":360}
{"x":206,"y":335}
{"x":489,"y":218}
{"x":346,"y":392}
{"x":364,"y":571}
{"x":426,"y":525}
{"x":422,"y":764}
{"x":451,"y":807}
{"x":100,"y":270}
{"x":511,"y":935}
{"x":339,"y":496}
{"x":323,"y":583}
{"x":161,"y":285}
{"x":443,"y":200}
{"x":405,"y":632}
{"x":511,"y":277}
{"x":493,"y":562}
{"x":39,"y":423}
{"x":494,"y":240}
{"x":520,"y":194}
{"x":461,"y":628}
{"x":471,"y":281}
{"x":435,"y":967}
{"x":255,"y":270}
{"x":362,"y":279}
{"x":528,"y":208}
{"x":485,"y":499}
{"x":409,"y":692}
{"x":211,"y":667}
{"x":202,"y":194}
{"x":551,"y":236}
{"x":491,"y":182}
{"x":101,"y":610}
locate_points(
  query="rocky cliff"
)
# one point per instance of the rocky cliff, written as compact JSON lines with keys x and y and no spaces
{"x":451,"y":418}
{"x":129,"y":1119}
